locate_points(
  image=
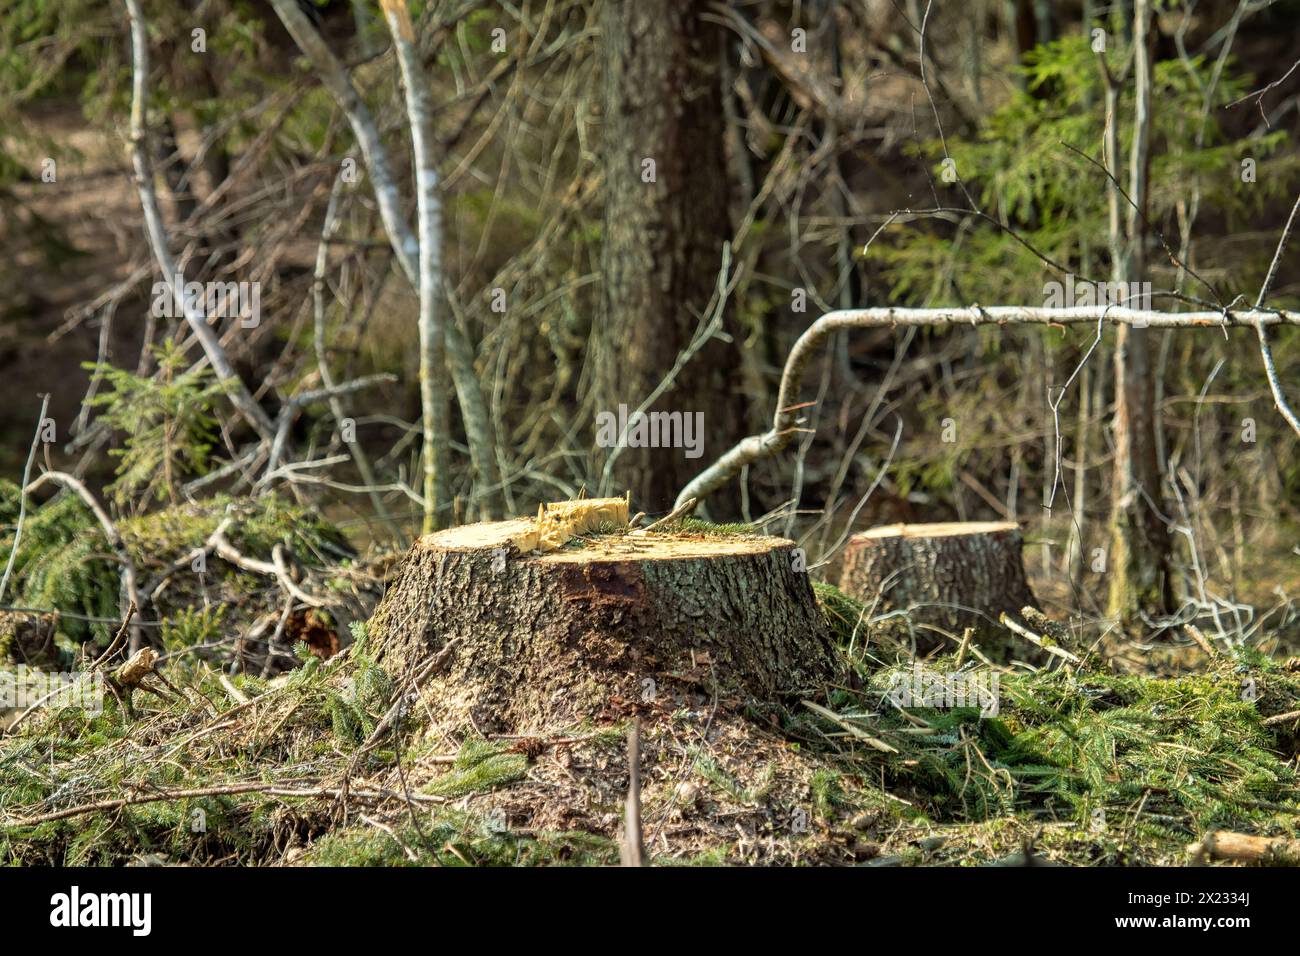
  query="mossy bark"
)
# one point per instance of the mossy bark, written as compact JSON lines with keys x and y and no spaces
{"x":604,"y":627}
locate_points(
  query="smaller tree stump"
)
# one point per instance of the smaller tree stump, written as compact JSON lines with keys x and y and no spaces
{"x":951,"y":576}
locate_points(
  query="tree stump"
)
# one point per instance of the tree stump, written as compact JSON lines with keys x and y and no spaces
{"x":600,"y":627}
{"x":950,"y":576}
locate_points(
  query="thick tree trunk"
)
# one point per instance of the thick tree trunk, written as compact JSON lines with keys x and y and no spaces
{"x":948,"y":576}
{"x":602,"y":627}
{"x":663,"y":237}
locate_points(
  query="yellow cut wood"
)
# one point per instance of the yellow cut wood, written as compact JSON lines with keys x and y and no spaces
{"x":559,"y":521}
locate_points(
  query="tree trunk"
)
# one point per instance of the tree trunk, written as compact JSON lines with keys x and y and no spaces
{"x":949,"y":576}
{"x":433,"y":398}
{"x":602,"y":627}
{"x":1139,"y":554}
{"x":663,"y":238}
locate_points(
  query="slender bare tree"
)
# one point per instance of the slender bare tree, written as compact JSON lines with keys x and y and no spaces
{"x":1138,"y":563}
{"x":469,"y":394}
{"x":234,"y":386}
{"x":433,"y":397}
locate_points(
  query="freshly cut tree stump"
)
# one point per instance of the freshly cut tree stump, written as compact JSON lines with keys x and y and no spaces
{"x":603,"y":626}
{"x":950,"y":576}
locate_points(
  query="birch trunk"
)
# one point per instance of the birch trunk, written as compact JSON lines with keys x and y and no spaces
{"x":473,"y":409}
{"x":433,"y":399}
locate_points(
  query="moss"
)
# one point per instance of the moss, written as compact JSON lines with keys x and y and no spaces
{"x":689,"y":525}
{"x":65,"y":563}
{"x":455,"y":838}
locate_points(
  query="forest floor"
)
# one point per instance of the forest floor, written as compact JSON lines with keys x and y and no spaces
{"x":1066,"y":763}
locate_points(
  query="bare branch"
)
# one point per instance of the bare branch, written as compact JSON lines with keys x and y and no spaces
{"x":1270,"y":370}
{"x":765,"y":445}
{"x":198,"y":323}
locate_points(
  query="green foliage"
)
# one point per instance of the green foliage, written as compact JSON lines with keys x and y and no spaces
{"x":727,"y":785}
{"x":1189,"y":750}
{"x":828,"y":793}
{"x":691,"y":525}
{"x":61,"y":563}
{"x":845,"y":615}
{"x":65,"y":564}
{"x":1025,"y":167}
{"x":167,"y":420}
{"x":480,"y":766}
{"x":192,"y":626}
{"x":356,"y":710}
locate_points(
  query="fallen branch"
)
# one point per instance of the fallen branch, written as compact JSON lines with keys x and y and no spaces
{"x":1039,"y":641}
{"x":276,"y":790}
{"x":219,"y":543}
{"x":632,"y":846}
{"x":875,"y":743}
{"x":1281,"y":718}
{"x":786,"y":420}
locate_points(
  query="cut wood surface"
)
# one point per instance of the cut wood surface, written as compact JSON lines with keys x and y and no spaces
{"x":950,"y":576}
{"x":604,"y":625}
{"x":559,"y":522}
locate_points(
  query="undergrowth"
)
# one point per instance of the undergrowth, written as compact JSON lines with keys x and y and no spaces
{"x":1091,"y":766}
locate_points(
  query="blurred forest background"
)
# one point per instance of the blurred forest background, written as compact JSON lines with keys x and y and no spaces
{"x":810,"y":140}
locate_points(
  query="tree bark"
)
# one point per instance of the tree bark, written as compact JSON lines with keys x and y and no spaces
{"x":1138,"y":570}
{"x":663,"y":239}
{"x":604,"y":626}
{"x":950,"y":576}
{"x":433,"y":397}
